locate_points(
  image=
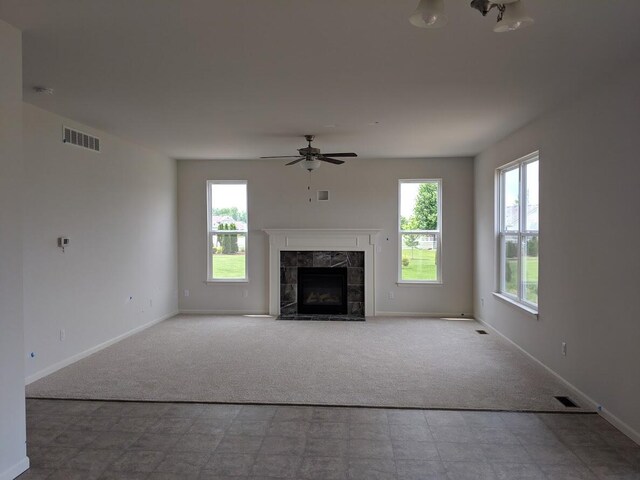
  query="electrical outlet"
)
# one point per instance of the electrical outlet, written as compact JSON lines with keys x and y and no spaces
{"x":482,"y":302}
{"x":186,"y":293}
{"x":245,"y":294}
{"x":564,"y":349}
{"x":62,"y":335}
{"x":391,"y":296}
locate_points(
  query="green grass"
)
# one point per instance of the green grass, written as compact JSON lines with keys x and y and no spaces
{"x":531,"y":281}
{"x":228,"y":266}
{"x":422,"y":265}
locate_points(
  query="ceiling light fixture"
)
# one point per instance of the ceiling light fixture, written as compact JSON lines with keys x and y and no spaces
{"x":310,"y":164}
{"x":511,"y":14}
{"x":429,"y":14}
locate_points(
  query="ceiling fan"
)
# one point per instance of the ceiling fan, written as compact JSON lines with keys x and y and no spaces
{"x":311,"y":156}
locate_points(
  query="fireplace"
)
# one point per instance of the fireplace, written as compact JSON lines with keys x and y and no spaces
{"x":322,"y":290}
{"x":291,"y":249}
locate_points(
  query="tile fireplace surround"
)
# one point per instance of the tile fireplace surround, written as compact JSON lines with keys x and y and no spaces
{"x":327,"y":244}
{"x":290,"y":261}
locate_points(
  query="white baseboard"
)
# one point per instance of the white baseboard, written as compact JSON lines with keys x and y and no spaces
{"x":79,"y":356}
{"x":581,"y":396}
{"x":468,"y":316}
{"x":620,"y":425}
{"x":223,"y":312}
{"x":12,"y":472}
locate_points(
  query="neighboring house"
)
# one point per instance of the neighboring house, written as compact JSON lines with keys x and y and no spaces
{"x":217,"y":220}
{"x":511,"y":216}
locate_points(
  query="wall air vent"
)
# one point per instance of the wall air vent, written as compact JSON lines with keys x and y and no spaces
{"x":79,"y":139}
{"x":567,"y":402}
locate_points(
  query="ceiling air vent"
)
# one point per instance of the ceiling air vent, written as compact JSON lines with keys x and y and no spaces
{"x":79,"y":139}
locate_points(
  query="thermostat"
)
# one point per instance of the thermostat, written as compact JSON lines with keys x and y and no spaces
{"x":63,"y":242}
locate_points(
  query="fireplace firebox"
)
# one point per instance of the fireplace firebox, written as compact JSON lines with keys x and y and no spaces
{"x":322,"y":290}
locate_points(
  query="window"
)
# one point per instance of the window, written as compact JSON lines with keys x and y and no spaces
{"x":227,"y":230}
{"x":420,"y":234}
{"x":518,"y":238}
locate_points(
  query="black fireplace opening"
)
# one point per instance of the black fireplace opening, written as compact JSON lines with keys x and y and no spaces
{"x":322,"y":290}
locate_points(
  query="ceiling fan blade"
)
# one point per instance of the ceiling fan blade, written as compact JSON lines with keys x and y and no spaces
{"x":343,"y":154}
{"x":284,"y":156}
{"x":330,"y":160}
{"x":295,"y":161}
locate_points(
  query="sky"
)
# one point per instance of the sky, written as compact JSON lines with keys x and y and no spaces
{"x":224,"y":196}
{"x":511,"y":187}
{"x":408,"y":194}
{"x":533,"y":182}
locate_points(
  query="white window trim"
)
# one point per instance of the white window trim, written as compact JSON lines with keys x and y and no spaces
{"x":520,"y":163}
{"x":210,"y":278}
{"x":521,"y":306}
{"x":437,"y":233}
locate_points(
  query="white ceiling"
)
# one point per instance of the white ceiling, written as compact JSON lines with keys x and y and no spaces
{"x":243,"y":78}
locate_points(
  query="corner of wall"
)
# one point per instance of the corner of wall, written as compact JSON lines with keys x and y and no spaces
{"x":13,"y":458}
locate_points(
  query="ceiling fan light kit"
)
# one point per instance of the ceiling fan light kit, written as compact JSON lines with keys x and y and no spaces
{"x":310,"y":164}
{"x":512,"y":18}
{"x":429,"y":14}
{"x":511,"y":14}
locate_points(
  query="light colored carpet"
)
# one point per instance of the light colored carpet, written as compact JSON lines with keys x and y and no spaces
{"x":397,"y":362}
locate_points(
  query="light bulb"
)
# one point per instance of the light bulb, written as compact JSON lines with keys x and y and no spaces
{"x":514,"y":17}
{"x":429,"y":14}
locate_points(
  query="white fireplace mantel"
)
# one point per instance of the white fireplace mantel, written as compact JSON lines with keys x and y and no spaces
{"x":322,"y":239}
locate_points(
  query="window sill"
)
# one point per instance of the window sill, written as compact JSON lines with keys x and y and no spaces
{"x":407,"y":283}
{"x":526,"y":309}
{"x":227,"y":281}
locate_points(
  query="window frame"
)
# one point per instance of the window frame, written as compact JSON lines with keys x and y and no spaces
{"x":522,"y":233}
{"x":210,"y":232}
{"x":436,"y":233}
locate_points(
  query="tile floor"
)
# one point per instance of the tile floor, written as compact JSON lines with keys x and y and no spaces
{"x":123,"y":440}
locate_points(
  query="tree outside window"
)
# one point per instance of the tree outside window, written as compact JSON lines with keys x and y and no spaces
{"x":419,"y":233}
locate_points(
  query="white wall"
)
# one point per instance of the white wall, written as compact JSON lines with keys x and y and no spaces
{"x":118,"y":207}
{"x":589,"y":255}
{"x":364,"y":194}
{"x":13,"y":459}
